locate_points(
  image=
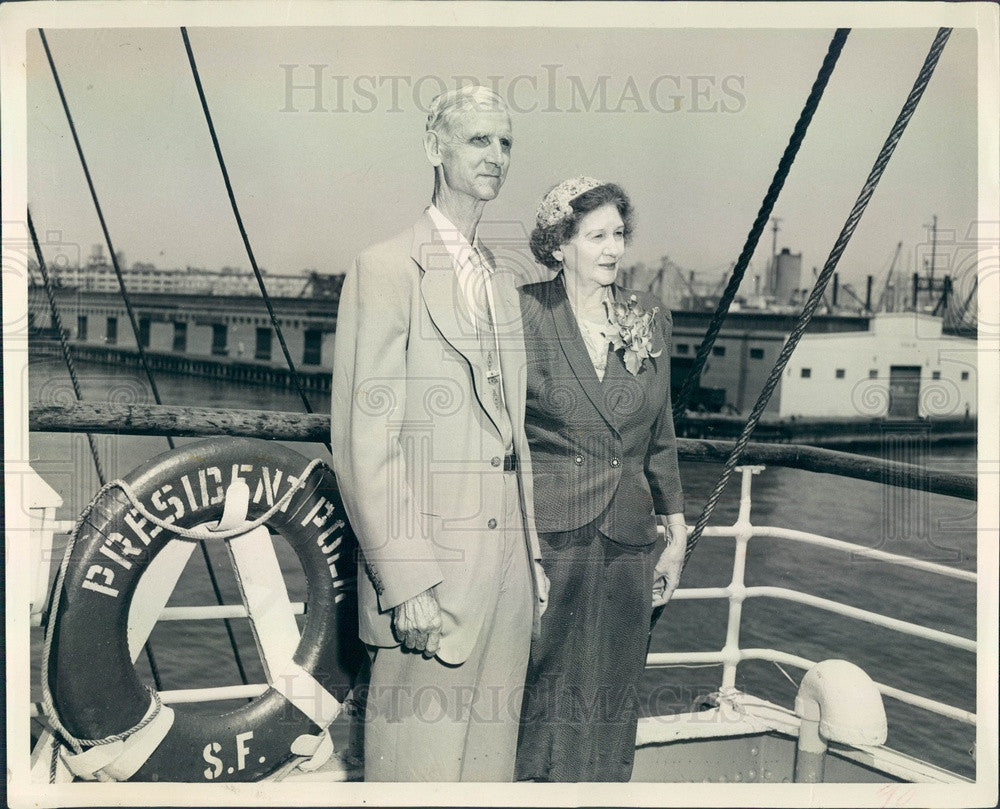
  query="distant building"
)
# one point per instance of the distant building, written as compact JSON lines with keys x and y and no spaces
{"x":145,"y":278}
{"x":743,"y":354}
{"x":891,"y":365}
{"x":895,"y":365}
{"x":901,"y":367}
{"x":223,"y":328}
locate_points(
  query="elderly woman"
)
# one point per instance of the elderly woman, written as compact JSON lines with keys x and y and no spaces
{"x":604,"y":460}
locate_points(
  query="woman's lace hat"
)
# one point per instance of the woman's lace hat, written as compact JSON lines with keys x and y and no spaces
{"x":555,"y":205}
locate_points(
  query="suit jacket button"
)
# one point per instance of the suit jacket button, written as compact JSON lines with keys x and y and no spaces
{"x":491,"y":524}
{"x":578,"y":460}
{"x":615,"y":462}
{"x":496,"y":461}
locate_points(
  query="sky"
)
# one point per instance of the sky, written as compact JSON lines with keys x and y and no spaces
{"x":691,"y":122}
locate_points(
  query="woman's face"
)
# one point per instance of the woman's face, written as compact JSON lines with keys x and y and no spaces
{"x":591,"y":257}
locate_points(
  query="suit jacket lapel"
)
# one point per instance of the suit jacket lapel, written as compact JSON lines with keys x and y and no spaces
{"x":571,"y":342}
{"x":618,"y":386}
{"x":446,"y":306}
{"x":511,"y":335}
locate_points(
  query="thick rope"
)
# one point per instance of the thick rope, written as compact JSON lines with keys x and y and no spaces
{"x":48,"y":703}
{"x":63,"y":345}
{"x":243,"y":232}
{"x":766,"y":207}
{"x":817,"y":292}
{"x":77,"y":744}
{"x":138,"y":342}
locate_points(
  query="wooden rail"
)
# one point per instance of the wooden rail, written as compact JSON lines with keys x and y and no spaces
{"x":143,"y":419}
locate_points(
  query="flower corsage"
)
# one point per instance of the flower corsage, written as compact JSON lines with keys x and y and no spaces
{"x":632,"y":333}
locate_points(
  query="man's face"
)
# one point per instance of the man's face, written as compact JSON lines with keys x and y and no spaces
{"x":475,"y":153}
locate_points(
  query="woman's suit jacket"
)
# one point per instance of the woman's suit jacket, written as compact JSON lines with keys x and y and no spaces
{"x":599,"y":449}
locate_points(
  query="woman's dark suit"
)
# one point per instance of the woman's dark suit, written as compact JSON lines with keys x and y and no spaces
{"x":604,"y":462}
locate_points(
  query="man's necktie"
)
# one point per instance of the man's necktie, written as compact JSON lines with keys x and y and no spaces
{"x":487,"y":331}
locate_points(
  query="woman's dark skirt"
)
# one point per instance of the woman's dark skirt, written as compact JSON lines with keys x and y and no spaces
{"x":580,"y":709}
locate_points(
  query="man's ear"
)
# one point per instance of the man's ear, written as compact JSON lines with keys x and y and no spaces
{"x":432,"y":147}
{"x":557,"y":255}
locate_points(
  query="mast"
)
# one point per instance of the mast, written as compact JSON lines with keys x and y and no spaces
{"x":933,"y":249}
{"x":888,"y":280}
{"x":772,"y":275}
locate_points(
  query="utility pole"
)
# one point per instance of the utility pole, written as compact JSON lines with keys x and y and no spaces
{"x":773,"y":274}
{"x":933,"y":227}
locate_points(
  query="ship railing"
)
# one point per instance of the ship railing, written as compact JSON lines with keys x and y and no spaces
{"x":737,"y":592}
{"x":137,"y":419}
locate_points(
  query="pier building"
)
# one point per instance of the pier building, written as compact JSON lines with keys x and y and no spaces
{"x":743,"y":354}
{"x":856,"y":366}
{"x":901,"y":367}
{"x":214,"y":336}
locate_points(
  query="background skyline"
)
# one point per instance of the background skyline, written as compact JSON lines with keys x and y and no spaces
{"x":691,"y":122}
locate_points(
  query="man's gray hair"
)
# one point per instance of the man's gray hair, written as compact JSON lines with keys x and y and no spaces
{"x":445,"y":107}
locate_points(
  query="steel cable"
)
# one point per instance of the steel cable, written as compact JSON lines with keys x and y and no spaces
{"x":239,"y":223}
{"x":766,"y":207}
{"x":905,"y":114}
{"x":135,"y":332}
{"x":828,"y":268}
{"x":63,"y":345}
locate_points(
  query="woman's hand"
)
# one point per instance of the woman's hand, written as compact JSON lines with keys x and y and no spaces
{"x":667,"y":574}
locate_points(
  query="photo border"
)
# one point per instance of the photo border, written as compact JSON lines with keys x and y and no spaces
{"x":17,"y":19}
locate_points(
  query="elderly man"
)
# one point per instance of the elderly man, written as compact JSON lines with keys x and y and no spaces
{"x":432,"y":461}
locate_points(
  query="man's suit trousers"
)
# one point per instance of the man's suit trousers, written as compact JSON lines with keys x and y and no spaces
{"x":432,"y":721}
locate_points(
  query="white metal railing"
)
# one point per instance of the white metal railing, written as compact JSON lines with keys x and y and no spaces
{"x":731,"y":655}
{"x":219,"y":612}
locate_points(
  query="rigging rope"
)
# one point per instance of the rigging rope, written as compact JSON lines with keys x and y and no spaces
{"x":766,"y":207}
{"x":68,"y":358}
{"x":905,"y":114}
{"x":135,"y":332}
{"x":239,"y":223}
{"x":104,"y":227}
{"x":63,"y":345}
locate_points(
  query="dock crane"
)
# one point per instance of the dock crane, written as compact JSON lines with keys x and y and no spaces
{"x":888,"y":282}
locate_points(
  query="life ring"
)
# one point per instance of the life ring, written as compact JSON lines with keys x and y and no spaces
{"x":93,"y":683}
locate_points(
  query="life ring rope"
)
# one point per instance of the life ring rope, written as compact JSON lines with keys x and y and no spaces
{"x":196,"y":535}
{"x":48,"y":704}
{"x":83,"y":763}
{"x":155,"y":711}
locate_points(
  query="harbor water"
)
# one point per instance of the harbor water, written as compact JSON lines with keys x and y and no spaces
{"x":934,"y":528}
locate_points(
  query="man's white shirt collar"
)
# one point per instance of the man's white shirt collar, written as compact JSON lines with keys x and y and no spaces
{"x":457,"y":245}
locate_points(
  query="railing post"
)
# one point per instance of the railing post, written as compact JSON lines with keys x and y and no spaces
{"x":737,"y":586}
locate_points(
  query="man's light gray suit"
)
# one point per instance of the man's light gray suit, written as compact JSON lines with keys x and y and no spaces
{"x":419,"y":459}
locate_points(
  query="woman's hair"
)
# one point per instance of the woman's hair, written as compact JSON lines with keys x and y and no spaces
{"x":545,"y":239}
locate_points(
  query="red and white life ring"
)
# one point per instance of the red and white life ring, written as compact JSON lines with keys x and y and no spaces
{"x":94,"y":686}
